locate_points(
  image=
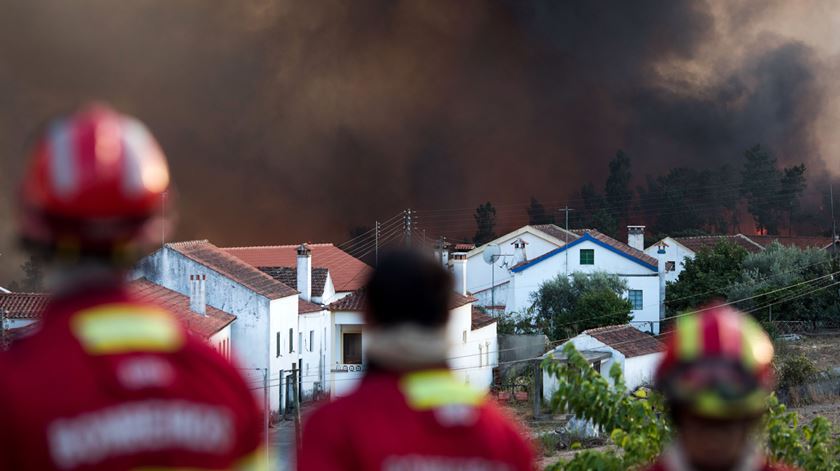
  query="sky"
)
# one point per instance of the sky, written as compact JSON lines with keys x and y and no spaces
{"x":288,"y":121}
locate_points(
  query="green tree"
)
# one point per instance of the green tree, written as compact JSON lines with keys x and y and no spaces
{"x":770,"y":192}
{"x":787,"y":283}
{"x":565,"y":306}
{"x":485,"y":221}
{"x":537,"y":213}
{"x":619,"y":195}
{"x":595,"y":212}
{"x":706,"y":277}
{"x":33,"y":275}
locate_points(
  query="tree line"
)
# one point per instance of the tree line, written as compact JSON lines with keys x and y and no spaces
{"x":685,"y":201}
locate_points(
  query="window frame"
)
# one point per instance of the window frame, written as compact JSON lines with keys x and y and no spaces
{"x":590,"y":257}
{"x":636,"y":296}
{"x":291,"y":340}
{"x":344,"y":344}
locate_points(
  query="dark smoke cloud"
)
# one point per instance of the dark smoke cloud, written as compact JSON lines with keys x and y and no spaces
{"x":291,"y":120}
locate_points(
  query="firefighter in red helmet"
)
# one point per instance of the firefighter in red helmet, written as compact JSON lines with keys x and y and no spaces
{"x":716,"y":377}
{"x":107,"y":382}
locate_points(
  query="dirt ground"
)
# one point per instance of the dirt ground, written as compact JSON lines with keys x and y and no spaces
{"x":824,"y":350}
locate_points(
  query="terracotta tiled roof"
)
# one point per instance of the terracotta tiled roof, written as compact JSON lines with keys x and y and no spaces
{"x":23,"y":305}
{"x":288,"y":276}
{"x":628,"y":340}
{"x":355,"y":302}
{"x":480,"y":319}
{"x":698,"y":243}
{"x":179,"y":305}
{"x":305,"y":307}
{"x":803,"y":242}
{"x":556,"y":231}
{"x":219,"y":260}
{"x":347,"y":272}
{"x":31,"y":306}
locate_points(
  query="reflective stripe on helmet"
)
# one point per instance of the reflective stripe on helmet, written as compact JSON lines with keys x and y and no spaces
{"x":688,"y":337}
{"x":62,"y":156}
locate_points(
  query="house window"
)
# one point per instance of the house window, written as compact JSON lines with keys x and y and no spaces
{"x":464,"y":337}
{"x":670,"y":266}
{"x":587,"y":256}
{"x":291,"y":341}
{"x":636,"y":299}
{"x":279,"y":344}
{"x":352,"y":348}
{"x":480,"y":355}
{"x":311,"y":340}
{"x":597,"y":366}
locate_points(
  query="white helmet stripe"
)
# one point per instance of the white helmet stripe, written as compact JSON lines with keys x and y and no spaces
{"x":135,"y":142}
{"x":62,"y":162}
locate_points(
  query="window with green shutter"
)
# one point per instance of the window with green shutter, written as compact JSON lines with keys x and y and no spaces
{"x":587,"y":256}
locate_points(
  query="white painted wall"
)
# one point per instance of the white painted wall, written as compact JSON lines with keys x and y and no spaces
{"x":638,"y":277}
{"x":221,"y":342}
{"x":675,"y":252}
{"x":15,"y":323}
{"x":342,"y":381}
{"x":639,"y":371}
{"x":316,"y":351}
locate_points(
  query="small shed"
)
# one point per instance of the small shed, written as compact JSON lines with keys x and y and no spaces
{"x":636,"y":352}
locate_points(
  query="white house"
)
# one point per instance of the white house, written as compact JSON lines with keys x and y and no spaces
{"x":480,"y":276}
{"x":592,"y":252}
{"x":678,"y":249}
{"x":474,"y":344}
{"x":265,"y":335}
{"x":315,"y":290}
{"x":635,"y":352}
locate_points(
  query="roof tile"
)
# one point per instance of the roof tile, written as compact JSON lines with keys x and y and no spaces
{"x":348,"y":273}
{"x":179,"y":305}
{"x":355,"y":302}
{"x":288,"y":276}
{"x":221,"y":261}
{"x":628,"y":340}
{"x":480,"y":319}
{"x":23,"y":305}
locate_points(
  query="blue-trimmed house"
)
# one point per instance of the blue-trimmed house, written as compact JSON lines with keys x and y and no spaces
{"x":588,"y":252}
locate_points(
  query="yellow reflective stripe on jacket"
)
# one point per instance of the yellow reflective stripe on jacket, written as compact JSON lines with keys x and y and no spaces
{"x":255,"y":461}
{"x":120,"y":328}
{"x":436,"y":388}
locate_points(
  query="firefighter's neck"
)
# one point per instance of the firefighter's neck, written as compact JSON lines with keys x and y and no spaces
{"x":68,"y":278}
{"x":406,"y":347}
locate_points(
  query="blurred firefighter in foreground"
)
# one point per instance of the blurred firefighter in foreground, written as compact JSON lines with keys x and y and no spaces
{"x":108,"y":383}
{"x":410,"y":411}
{"x":716,"y":378}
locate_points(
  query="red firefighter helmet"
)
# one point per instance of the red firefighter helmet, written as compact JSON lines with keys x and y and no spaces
{"x":717,"y":364}
{"x":95,"y":181}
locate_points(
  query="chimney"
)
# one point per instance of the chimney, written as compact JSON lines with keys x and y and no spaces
{"x":304,"y":272}
{"x":458,"y":262}
{"x":198,"y":294}
{"x":636,"y":237}
{"x":519,"y":255}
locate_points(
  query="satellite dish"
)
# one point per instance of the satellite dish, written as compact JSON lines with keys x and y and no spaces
{"x":491,"y":252}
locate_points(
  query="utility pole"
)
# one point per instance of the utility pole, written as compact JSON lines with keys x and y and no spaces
{"x":566,"y":236}
{"x":376,"y":244}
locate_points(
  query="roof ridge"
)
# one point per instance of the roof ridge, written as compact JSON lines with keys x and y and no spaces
{"x":183,"y":243}
{"x":280,"y":246}
{"x":24,"y":293}
{"x":607,"y":328}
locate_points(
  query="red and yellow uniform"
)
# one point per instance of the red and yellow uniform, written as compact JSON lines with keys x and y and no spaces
{"x":110,"y":384}
{"x":418,"y":420}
